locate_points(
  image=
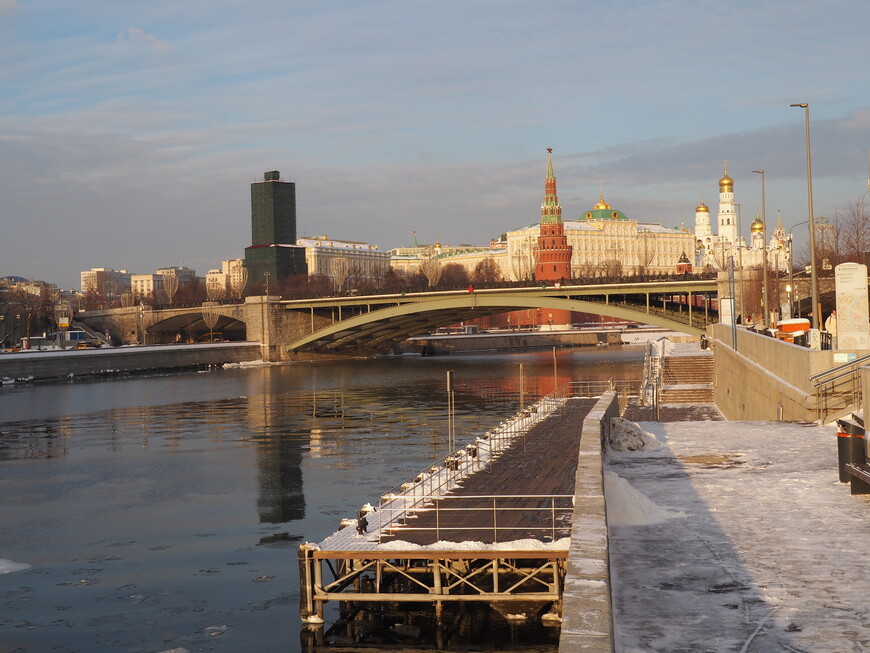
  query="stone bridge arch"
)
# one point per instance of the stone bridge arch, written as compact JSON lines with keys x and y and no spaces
{"x":393,"y":323}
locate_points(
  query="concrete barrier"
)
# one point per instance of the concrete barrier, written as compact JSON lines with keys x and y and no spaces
{"x":764,"y":378}
{"x":587,"y":616}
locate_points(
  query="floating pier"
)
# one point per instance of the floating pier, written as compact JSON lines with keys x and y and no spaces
{"x":489,"y":523}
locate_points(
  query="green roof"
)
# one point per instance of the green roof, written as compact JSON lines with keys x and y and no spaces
{"x":603,"y":214}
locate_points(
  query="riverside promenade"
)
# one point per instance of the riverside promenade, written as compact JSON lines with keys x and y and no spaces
{"x":736,"y":536}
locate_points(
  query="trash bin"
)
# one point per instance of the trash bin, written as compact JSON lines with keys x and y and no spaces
{"x":850,"y":446}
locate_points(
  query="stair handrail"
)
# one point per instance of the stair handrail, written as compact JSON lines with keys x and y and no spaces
{"x":839,"y":371}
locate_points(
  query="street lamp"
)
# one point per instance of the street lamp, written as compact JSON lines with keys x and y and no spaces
{"x":814,"y":288}
{"x":740,"y":247}
{"x":791,"y":260}
{"x":764,"y":244}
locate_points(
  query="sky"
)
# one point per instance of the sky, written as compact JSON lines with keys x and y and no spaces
{"x":130,"y":132}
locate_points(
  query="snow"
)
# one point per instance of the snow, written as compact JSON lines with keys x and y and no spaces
{"x":10,"y":566}
{"x":626,"y":506}
{"x":250,"y":364}
{"x":562,"y":544}
{"x":772,"y":554}
{"x":626,"y":435}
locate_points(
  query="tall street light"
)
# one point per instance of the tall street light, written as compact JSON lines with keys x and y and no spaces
{"x":813,"y":281}
{"x":791,"y":262}
{"x":764,"y":247}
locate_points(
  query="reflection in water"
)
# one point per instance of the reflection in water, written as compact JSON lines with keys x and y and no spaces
{"x":152,"y":508}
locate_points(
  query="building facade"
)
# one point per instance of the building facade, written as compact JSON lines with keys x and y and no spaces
{"x":344,"y":260}
{"x":273,"y":255}
{"x":228,"y":281}
{"x":105,"y":281}
{"x":716,"y":250}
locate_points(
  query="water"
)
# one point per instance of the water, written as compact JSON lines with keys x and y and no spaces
{"x":164,"y":512}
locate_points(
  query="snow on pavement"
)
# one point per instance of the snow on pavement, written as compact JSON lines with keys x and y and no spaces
{"x":754,"y":545}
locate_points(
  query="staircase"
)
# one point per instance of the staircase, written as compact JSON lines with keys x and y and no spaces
{"x":687,"y":379}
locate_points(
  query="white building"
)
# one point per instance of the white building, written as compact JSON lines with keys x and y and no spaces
{"x":229,"y":280}
{"x":715,"y":250}
{"x":143,"y":285}
{"x":105,"y":281}
{"x":343,"y":260}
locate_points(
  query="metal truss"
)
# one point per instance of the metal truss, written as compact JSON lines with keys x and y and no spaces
{"x":428,"y":576}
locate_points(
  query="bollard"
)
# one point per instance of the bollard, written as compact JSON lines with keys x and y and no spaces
{"x":850,"y":447}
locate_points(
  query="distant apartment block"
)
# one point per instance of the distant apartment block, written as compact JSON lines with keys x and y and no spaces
{"x":105,"y":281}
{"x":186,"y":276}
{"x":228,"y":280}
{"x":143,"y":285}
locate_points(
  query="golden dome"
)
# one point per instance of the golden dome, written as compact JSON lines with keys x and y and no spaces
{"x":757,"y":225}
{"x":702,"y":208}
{"x":601,"y":204}
{"x":726,"y":184}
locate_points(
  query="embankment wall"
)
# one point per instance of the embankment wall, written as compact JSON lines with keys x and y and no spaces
{"x":587,"y":615}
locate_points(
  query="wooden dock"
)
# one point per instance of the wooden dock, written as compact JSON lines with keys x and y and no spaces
{"x":499,"y":534}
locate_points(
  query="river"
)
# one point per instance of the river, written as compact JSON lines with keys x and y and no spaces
{"x":164,"y":512}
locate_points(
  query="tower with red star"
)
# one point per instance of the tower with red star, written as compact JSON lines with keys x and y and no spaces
{"x":553,"y":253}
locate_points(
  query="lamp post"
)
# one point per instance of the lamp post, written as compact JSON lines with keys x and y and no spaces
{"x":814,"y":288}
{"x":764,"y":246}
{"x":740,"y":245}
{"x":791,"y":260}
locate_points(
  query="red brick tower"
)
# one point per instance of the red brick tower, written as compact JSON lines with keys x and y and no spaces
{"x":553,"y":253}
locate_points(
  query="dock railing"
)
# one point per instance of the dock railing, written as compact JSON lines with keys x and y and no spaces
{"x":415,"y":494}
{"x":419,"y":492}
{"x":544,"y":516}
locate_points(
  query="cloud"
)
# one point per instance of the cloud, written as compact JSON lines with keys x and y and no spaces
{"x":6,"y":5}
{"x":136,"y":35}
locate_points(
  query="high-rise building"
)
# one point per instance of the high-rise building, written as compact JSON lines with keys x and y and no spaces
{"x":273,"y":255}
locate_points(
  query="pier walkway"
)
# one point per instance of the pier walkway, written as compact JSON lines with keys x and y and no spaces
{"x":490,"y":523}
{"x":516,"y":495}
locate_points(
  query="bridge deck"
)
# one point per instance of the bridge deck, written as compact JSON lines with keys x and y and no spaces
{"x":542,"y":466}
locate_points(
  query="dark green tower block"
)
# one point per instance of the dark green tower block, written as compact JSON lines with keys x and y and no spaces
{"x":273,"y":249}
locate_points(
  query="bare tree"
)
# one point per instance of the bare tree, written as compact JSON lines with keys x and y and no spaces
{"x":453,"y":277}
{"x":170,"y":284}
{"x":431,"y":266}
{"x":239,"y":282}
{"x":853,"y":226}
{"x":339,"y":270}
{"x":487,"y":271}
{"x":210,"y":315}
{"x":646,"y":251}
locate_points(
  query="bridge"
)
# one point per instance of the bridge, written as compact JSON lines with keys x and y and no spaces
{"x":372,"y":321}
{"x":342,"y":325}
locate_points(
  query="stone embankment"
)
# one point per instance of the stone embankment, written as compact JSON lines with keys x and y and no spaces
{"x":56,"y":364}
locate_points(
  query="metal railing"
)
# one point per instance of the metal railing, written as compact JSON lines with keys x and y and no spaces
{"x":548,"y":515}
{"x":839,"y":388}
{"x":413,"y":495}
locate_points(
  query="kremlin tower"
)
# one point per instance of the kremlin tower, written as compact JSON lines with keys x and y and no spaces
{"x":553,"y":253}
